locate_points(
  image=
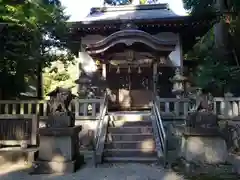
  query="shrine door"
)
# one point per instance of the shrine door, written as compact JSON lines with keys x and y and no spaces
{"x":130,"y":90}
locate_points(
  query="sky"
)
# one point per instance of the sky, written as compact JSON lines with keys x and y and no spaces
{"x":78,"y":9}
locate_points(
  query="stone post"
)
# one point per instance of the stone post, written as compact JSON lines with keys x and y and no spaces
{"x":155,"y":77}
{"x":228,"y":111}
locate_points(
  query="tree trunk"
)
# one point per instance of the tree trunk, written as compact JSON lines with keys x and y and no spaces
{"x":39,"y":82}
{"x":221,"y":33}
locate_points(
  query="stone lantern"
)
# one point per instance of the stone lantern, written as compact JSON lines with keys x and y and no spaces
{"x":99,"y":84}
{"x":91,"y":86}
{"x":178,"y":83}
{"x":84,"y":81}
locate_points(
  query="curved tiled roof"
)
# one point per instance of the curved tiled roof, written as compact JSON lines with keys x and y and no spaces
{"x":130,"y":12}
{"x":129,"y":37}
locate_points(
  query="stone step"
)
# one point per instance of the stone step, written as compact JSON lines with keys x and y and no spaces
{"x":131,"y":159}
{"x":129,"y":153}
{"x":130,"y":130}
{"x":129,"y":137}
{"x":132,"y":123}
{"x":142,"y":112}
{"x":129,"y":116}
{"x":143,"y":145}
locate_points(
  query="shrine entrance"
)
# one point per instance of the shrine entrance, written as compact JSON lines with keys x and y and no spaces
{"x":131,"y":88}
{"x":130,"y":57}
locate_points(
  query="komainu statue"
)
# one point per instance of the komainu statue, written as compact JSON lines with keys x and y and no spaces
{"x":60,"y":115}
{"x":60,"y":99}
{"x":203,"y":120}
{"x":202,"y":139}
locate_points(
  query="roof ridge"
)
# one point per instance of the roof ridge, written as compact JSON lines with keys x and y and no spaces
{"x":130,"y":7}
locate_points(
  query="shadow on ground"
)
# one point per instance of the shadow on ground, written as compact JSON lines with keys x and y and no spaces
{"x":103,"y":172}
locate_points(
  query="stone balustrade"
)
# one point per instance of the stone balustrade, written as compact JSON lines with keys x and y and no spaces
{"x":83,"y":108}
{"x":224,"y":107}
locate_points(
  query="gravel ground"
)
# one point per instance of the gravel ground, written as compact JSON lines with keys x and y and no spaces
{"x":103,"y":172}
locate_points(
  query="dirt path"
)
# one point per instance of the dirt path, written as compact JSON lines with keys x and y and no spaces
{"x":104,"y":172}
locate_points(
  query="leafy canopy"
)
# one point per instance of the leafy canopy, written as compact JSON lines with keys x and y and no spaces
{"x":33,"y":35}
{"x":218,"y":52}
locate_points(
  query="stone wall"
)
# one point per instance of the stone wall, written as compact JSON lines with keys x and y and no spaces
{"x":86,"y":136}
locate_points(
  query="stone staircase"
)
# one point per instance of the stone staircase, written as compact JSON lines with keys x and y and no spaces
{"x":130,"y":138}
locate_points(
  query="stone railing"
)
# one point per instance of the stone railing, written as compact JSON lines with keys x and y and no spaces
{"x":83,"y":108}
{"x":173,"y":107}
{"x":225,"y":107}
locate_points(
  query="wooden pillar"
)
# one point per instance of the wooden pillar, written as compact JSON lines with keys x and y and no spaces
{"x":155,"y":77}
{"x":104,"y":71}
{"x":181,"y":54}
{"x":79,"y":56}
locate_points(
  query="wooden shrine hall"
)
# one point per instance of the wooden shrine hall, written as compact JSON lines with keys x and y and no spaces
{"x":137,"y":49}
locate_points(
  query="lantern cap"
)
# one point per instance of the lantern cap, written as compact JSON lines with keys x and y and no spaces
{"x":178,"y":77}
{"x":83,"y":79}
{"x":228,"y":94}
{"x":177,"y":91}
{"x":59,"y":90}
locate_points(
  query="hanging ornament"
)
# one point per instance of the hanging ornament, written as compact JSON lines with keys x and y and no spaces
{"x":129,"y":69}
{"x":139,"y":70}
{"x":118,"y":70}
{"x":97,"y":62}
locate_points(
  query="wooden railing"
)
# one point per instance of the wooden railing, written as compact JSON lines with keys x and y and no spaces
{"x":17,"y":128}
{"x":83,"y":108}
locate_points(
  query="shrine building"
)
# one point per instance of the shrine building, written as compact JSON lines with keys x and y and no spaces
{"x":137,"y":49}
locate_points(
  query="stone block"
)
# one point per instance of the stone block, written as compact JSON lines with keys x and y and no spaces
{"x":13,"y":157}
{"x":51,"y":167}
{"x":202,"y":119}
{"x":235,"y":161}
{"x":59,"y":149}
{"x":61,"y":120}
{"x":58,"y":144}
{"x":211,"y":150}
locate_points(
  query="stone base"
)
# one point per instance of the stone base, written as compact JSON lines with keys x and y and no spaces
{"x":235,"y":161}
{"x":16,"y":155}
{"x":61,"y":120}
{"x":211,"y":150}
{"x":47,"y":167}
{"x":59,"y":144}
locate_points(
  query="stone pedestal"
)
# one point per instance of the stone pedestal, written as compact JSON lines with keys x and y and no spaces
{"x":61,"y":120}
{"x":234,"y":159}
{"x":208,"y":147}
{"x":58,"y":150}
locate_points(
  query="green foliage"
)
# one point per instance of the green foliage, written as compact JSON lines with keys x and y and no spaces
{"x":199,"y":6}
{"x":58,"y":74}
{"x":143,"y":1}
{"x":34,"y":30}
{"x":218,"y":66}
{"x":61,"y":77}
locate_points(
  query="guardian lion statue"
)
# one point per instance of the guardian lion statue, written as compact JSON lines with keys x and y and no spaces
{"x":60,"y":99}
